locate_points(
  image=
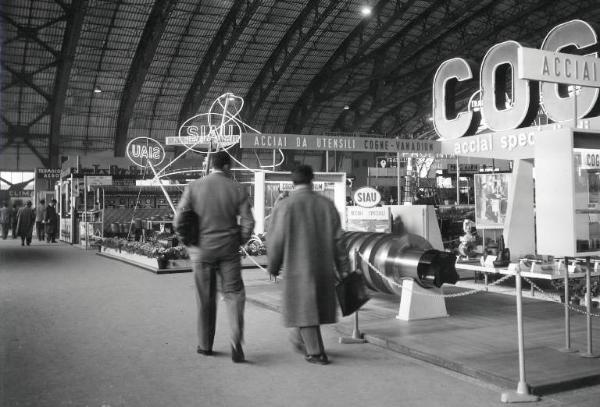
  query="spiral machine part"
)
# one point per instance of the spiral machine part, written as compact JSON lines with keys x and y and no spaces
{"x":399,"y":257}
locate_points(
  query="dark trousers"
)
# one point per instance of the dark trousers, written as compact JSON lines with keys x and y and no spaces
{"x":14,"y":230}
{"x":51,"y":236}
{"x":311,"y":337}
{"x":5,"y":227}
{"x":206,"y":270}
{"x":39,"y":228}
{"x":26,"y":239}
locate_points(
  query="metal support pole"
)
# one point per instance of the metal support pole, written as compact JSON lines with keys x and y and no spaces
{"x":326,"y":160}
{"x":588,"y":305}
{"x":567,"y":348}
{"x":458,"y":182}
{"x":398,"y":195}
{"x":522,"y":394}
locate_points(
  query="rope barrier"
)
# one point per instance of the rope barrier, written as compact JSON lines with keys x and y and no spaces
{"x":570,"y":306}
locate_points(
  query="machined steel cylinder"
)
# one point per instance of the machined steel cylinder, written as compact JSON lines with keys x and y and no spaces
{"x":399,"y":257}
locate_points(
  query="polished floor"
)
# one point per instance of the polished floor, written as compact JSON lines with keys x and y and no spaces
{"x":77,"y":329}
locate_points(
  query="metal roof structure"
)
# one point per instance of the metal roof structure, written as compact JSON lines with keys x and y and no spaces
{"x":89,"y":75}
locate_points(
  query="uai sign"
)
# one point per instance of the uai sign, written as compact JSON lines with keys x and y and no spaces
{"x":145,"y":151}
{"x":527,"y":76}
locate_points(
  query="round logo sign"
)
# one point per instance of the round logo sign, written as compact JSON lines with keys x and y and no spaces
{"x":143,"y":151}
{"x":367,"y":197}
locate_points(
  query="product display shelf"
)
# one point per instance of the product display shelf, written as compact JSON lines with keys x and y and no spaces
{"x":148,"y":263}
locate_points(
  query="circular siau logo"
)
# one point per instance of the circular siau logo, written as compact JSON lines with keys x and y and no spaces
{"x":367,"y":197}
{"x":145,"y":151}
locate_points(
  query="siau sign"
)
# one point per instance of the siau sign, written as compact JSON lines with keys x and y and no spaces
{"x":367,"y":197}
{"x":529,"y":76}
{"x":144,"y":151}
{"x":218,"y":129}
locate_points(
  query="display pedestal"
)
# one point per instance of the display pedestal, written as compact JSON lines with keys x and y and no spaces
{"x":417,"y":302}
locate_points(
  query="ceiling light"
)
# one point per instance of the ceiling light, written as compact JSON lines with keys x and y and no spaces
{"x":366,"y":11}
{"x":346,"y":107}
{"x":97,"y":90}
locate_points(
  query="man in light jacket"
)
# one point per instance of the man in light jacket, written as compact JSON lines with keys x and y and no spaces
{"x":40,"y":214}
{"x":218,"y":201}
{"x":305,"y":237}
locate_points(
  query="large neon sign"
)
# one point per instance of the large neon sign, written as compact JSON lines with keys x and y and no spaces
{"x":524,"y":68}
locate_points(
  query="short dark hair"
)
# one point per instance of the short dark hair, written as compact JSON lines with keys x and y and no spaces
{"x":53,"y":200}
{"x":28,"y":203}
{"x":220,"y":159}
{"x":42,"y":201}
{"x":303,"y":174}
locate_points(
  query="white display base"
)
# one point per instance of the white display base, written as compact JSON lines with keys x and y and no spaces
{"x":417,"y":302}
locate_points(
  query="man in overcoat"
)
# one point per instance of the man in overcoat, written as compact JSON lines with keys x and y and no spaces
{"x":25,"y":223}
{"x":51,"y":221}
{"x":218,"y":200}
{"x":305,"y":239}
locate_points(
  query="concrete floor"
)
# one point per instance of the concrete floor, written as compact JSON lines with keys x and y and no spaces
{"x":77,"y":329}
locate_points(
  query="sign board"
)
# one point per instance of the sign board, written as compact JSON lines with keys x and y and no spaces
{"x":558,"y":67}
{"x":145,"y":151}
{"x":337,"y":143}
{"x":361,"y":219}
{"x":491,"y":200}
{"x":92,"y":180}
{"x":367,"y":197}
{"x":20,"y":193}
{"x":464,"y":168}
{"x":48,"y":173}
{"x":590,"y":158}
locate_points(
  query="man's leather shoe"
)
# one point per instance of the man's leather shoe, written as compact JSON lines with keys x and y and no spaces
{"x":237,"y":354}
{"x":208,"y":352}
{"x":317,"y":359}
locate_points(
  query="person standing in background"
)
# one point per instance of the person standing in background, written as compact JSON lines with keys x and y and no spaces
{"x":4,"y":220}
{"x":40,"y":214}
{"x":25,"y":223}
{"x":305,"y":237}
{"x":51,"y":221}
{"x":218,"y":201}
{"x":13,"y":220}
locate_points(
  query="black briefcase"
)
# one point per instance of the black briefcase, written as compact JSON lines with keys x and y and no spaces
{"x":352,"y":293}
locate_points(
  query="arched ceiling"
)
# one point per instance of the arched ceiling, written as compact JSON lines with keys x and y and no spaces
{"x":308,"y":67}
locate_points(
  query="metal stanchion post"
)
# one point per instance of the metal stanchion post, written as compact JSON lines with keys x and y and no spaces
{"x":567,"y":348}
{"x":588,"y":305}
{"x":522,"y":395}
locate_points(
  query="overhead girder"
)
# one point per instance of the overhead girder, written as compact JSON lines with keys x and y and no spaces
{"x":224,"y":40}
{"x":293,"y":41}
{"x":149,"y":41}
{"x":21,"y":78}
{"x":351,"y":49}
{"x":340,"y":71}
{"x":470,"y":39}
{"x":75,"y":15}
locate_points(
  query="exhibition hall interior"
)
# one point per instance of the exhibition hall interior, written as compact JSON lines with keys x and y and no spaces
{"x":430,"y":169}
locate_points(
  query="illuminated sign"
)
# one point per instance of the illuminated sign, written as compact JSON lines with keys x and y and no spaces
{"x":367,"y":197}
{"x":337,"y":143}
{"x":218,"y":129}
{"x":509,"y":68}
{"x":145,"y":151}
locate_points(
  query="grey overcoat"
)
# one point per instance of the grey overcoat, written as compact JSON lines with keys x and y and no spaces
{"x":304,"y":239}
